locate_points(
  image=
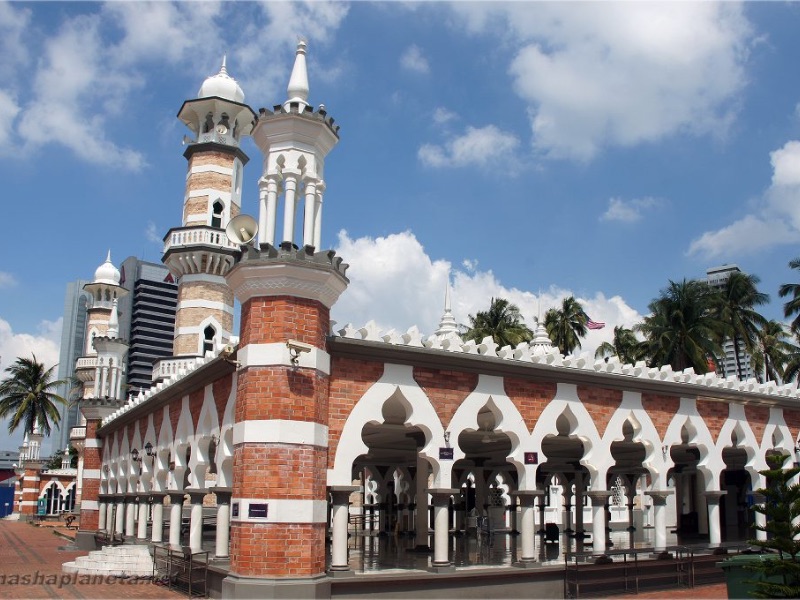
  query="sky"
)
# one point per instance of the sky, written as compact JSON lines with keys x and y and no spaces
{"x":526,"y":150}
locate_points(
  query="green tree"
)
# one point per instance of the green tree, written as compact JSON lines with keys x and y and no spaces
{"x":775,"y":355}
{"x":734,"y":305}
{"x":781,"y":509}
{"x":567,"y":325}
{"x":27,"y":396}
{"x":792,"y":306}
{"x":502,"y":322}
{"x":681,"y":329}
{"x":625,"y":346}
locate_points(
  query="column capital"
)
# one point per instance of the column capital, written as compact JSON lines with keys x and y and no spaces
{"x":343,"y":491}
{"x":527,"y":497}
{"x":660,"y":496}
{"x":444,"y":491}
{"x":223,"y":494}
{"x":196,"y":495}
{"x":176,"y":496}
{"x":714,"y":496}
{"x":158,"y":496}
{"x":599,"y":497}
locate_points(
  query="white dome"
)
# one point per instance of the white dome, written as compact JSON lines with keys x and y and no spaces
{"x":107,"y":272}
{"x":221,"y":85}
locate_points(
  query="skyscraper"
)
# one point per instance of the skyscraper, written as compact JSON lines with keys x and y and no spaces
{"x":147,"y":317}
{"x":73,"y":336}
{"x":716,"y":278}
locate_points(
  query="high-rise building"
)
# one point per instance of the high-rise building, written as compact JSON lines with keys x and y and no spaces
{"x":73,"y":336}
{"x":716,"y":278}
{"x":147,"y":318}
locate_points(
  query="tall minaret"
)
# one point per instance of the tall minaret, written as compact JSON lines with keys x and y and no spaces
{"x":198,"y":253}
{"x":295,"y":139}
{"x":281,"y":420}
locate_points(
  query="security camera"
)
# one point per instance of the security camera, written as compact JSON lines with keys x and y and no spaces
{"x":296,"y":349}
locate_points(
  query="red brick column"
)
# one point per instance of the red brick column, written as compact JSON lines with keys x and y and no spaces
{"x":30,"y":489}
{"x":279,"y":497}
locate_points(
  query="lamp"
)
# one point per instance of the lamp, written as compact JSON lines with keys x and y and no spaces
{"x":135,"y":455}
{"x":665,"y":451}
{"x":148,"y":449}
{"x":447,"y":438}
{"x":106,"y":469}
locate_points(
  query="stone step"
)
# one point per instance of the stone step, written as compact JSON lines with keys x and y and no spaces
{"x":130,"y":560}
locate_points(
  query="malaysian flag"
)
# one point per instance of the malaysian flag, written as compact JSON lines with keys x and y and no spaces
{"x":594,"y":324}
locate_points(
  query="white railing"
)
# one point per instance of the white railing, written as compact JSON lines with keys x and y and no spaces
{"x":193,"y":236}
{"x":77,"y":433}
{"x":86,"y":362}
{"x":163,"y":369}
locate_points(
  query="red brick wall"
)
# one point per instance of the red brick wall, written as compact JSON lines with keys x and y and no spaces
{"x":530,"y":398}
{"x":661,"y":409}
{"x":600,"y":404}
{"x":714,"y":414}
{"x":446,"y":389}
{"x":222,"y":390}
{"x":757,"y":417}
{"x":280,"y":471}
{"x":792,"y":418}
{"x":282,"y":393}
{"x":196,"y":405}
{"x":349,"y":381}
{"x":279,"y":318}
{"x":290,"y":549}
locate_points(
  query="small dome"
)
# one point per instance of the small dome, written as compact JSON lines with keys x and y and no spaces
{"x":221,"y":85}
{"x":107,"y":272}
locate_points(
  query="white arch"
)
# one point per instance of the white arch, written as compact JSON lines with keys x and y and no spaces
{"x":709,"y":464}
{"x":631,"y":408}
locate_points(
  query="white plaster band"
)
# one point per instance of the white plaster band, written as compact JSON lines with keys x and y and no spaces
{"x":208,"y":192}
{"x":278,"y":511}
{"x":203,"y":278}
{"x":89,"y":505}
{"x":28,"y":503}
{"x":278,"y":354}
{"x":91,"y":473}
{"x":93,"y":443}
{"x":198,"y":330}
{"x":210,"y":169}
{"x":280,"y":431}
{"x":205,"y":304}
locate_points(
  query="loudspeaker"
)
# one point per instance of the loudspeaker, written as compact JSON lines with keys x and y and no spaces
{"x":242,"y":229}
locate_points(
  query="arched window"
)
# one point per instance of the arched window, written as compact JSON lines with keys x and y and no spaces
{"x":52,"y":499}
{"x":69,"y":500}
{"x":216,"y":214}
{"x":208,"y":339}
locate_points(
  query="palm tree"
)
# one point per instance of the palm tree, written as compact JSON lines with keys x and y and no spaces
{"x":566,"y":326}
{"x":502,"y":322}
{"x":792,"y":306}
{"x":774,"y":353}
{"x":625,"y":345}
{"x":733,"y":305}
{"x":682,"y":330}
{"x":27,"y":396}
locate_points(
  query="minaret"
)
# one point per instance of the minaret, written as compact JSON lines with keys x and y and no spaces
{"x":295,"y":139}
{"x":448,"y":328}
{"x":198,"y":253}
{"x":281,"y":416}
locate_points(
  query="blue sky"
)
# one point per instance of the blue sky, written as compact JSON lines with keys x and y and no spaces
{"x":525,"y":150}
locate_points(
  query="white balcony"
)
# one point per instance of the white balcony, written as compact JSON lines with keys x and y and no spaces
{"x":77,"y":433}
{"x":165,"y":368}
{"x":195,"y":236}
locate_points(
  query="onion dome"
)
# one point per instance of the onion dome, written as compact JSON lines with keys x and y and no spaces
{"x":221,"y":85}
{"x":107,"y":272}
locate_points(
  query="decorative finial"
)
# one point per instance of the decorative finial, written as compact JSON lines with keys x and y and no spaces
{"x":223,"y":70}
{"x":298,"y":82}
{"x":108,"y":256}
{"x":447,"y":326}
{"x":113,"y":321}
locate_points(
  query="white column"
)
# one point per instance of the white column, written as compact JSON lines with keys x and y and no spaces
{"x":421,"y":500}
{"x":157,"y":534}
{"x":97,"y":370}
{"x":263,"y":196}
{"x":130,"y":517}
{"x":318,"y":216}
{"x":221,"y":549}
{"x":119,"y":526}
{"x":175,"y":518}
{"x":599,"y":499}
{"x":527,"y":525}
{"x":103,"y":375}
{"x":714,"y":529}
{"x":340,"y":510}
{"x":112,"y":387}
{"x":196,"y":521}
{"x":441,"y":527}
{"x":660,"y":518}
{"x":272,"y":209}
{"x":101,"y":515}
{"x":141,"y":532}
{"x":309,"y":213}
{"x":290,"y":189}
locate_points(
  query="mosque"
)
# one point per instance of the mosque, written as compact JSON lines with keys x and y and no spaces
{"x":274,"y":446}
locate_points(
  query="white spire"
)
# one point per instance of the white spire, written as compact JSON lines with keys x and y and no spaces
{"x":541,"y":343}
{"x":447,"y":325}
{"x":298,"y":82}
{"x":113,"y":321}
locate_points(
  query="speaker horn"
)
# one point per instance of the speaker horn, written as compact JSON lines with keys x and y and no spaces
{"x":242,"y":230}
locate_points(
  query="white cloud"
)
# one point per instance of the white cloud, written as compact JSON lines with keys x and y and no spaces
{"x":482,"y":146}
{"x":628,"y":211}
{"x":620,"y":74}
{"x":7,"y":280}
{"x":14,"y":23}
{"x":395,"y":283}
{"x":412,"y":59}
{"x":152,"y":234}
{"x":774,"y":221}
{"x":441,"y":116}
